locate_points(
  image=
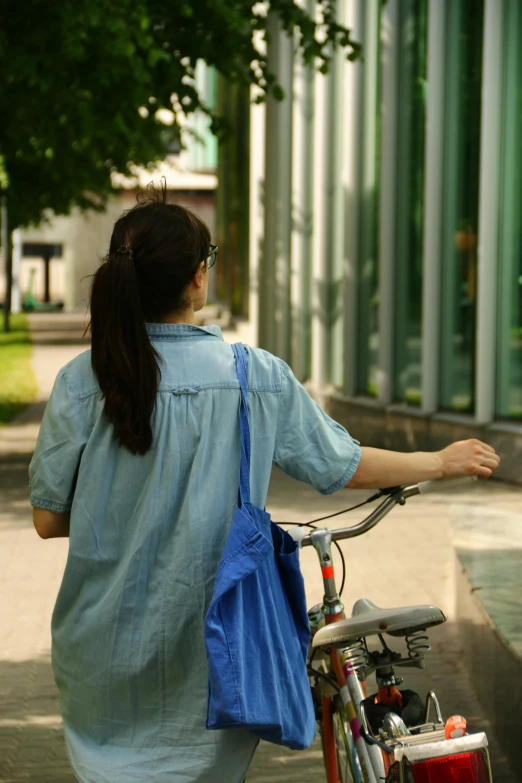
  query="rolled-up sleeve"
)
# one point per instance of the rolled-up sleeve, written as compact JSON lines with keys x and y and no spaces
{"x":61,"y":441}
{"x":311,"y":446}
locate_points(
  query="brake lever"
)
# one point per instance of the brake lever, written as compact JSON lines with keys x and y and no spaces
{"x":388,"y":491}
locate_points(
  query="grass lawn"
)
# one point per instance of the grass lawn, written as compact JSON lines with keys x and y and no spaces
{"x":17,"y":381}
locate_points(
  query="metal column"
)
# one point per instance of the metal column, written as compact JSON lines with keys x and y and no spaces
{"x":432,"y":245}
{"x":388,"y":197}
{"x":335,"y":213}
{"x":327,"y":320}
{"x":320,"y":348}
{"x":302,"y":215}
{"x":351,"y":176}
{"x":491,"y":121}
{"x":274,"y":278}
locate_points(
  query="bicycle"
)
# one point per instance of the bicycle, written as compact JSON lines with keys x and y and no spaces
{"x":387,"y":736}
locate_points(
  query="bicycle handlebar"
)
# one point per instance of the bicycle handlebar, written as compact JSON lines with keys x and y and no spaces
{"x":435,"y":486}
{"x":397,"y":496}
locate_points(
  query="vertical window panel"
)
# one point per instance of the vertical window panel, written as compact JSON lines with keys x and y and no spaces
{"x":368,"y":273}
{"x":410,"y":199}
{"x":460,"y":203}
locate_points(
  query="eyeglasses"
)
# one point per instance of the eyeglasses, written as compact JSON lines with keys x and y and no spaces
{"x":211,"y":260}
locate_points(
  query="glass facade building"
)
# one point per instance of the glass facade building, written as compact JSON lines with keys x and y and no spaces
{"x":419,"y":206}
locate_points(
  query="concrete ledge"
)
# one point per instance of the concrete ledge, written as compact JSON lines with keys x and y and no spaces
{"x":494,"y":667}
{"x":405,"y":428}
{"x":69,"y":328}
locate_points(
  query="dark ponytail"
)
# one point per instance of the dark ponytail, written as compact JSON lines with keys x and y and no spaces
{"x":155,"y":251}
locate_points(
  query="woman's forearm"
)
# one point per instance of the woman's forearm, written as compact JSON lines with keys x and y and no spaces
{"x":380,"y":468}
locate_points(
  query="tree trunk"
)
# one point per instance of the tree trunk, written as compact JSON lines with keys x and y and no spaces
{"x":7,"y":247}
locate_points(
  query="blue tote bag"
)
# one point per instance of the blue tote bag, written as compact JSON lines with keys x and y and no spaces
{"x":256,"y":628}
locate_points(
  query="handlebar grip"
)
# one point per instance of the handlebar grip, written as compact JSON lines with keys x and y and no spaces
{"x":441,"y":485}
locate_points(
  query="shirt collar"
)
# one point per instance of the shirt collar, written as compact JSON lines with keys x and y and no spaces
{"x":182,"y":331}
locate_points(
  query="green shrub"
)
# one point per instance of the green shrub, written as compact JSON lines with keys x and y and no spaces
{"x":17,"y":380}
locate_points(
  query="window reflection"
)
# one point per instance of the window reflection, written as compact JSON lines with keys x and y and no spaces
{"x":410,"y":199}
{"x":460,"y":206}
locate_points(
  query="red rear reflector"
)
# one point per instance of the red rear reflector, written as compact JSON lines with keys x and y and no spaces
{"x":462,"y":768}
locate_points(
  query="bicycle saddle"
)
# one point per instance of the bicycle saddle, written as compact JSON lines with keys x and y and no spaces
{"x":369,"y":620}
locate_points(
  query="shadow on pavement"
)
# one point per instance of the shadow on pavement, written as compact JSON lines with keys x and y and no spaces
{"x":33,"y":747}
{"x":31,"y":415}
{"x":31,"y":736}
{"x":14,"y":482}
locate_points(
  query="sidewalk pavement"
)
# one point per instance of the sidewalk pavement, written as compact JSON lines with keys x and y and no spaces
{"x":408,"y":559}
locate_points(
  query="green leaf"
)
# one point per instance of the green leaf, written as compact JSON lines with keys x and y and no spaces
{"x":278,"y":92}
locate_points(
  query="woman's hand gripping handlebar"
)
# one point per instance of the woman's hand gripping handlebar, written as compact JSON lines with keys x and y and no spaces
{"x":383,"y":468}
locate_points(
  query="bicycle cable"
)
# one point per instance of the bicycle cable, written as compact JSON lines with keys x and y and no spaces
{"x":314,"y":672}
{"x":375,"y":496}
{"x":373,"y":741}
{"x":343,"y":567}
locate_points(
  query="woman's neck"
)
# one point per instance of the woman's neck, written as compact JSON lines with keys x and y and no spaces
{"x":185,"y":317}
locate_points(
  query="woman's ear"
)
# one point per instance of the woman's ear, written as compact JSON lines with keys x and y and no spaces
{"x":199,"y":278}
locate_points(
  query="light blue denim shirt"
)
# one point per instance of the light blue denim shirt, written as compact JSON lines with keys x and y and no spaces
{"x":146,"y":537}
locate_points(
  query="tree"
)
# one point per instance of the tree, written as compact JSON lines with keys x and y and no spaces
{"x":83,"y":85}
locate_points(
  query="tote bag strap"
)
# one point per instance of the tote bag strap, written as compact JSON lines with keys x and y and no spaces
{"x":242,"y":376}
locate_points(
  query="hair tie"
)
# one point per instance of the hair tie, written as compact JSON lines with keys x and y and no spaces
{"x":125,"y":250}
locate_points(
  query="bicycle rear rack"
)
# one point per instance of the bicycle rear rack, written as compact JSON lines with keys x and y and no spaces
{"x":421,"y":737}
{"x":416,"y":733}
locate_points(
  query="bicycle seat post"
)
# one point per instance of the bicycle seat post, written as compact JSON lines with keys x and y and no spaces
{"x":322,"y":543}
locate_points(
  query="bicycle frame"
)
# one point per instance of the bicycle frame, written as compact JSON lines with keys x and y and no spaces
{"x":351,"y":690}
{"x":371,"y":763}
{"x":372,"y":767}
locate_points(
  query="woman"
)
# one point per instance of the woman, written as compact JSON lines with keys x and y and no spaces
{"x":137,"y":462}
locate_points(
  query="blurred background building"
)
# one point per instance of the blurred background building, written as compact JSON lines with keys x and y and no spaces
{"x":81,"y":239}
{"x":385,"y":223}
{"x":78,"y":241}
